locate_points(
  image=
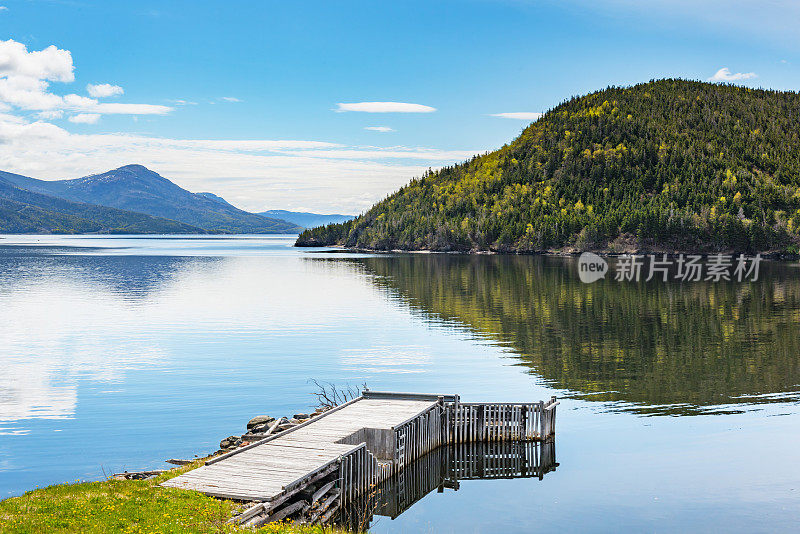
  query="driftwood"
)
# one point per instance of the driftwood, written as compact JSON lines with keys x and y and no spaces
{"x":175,"y":461}
{"x":137,"y":475}
{"x":275,"y":425}
{"x":262,"y":435}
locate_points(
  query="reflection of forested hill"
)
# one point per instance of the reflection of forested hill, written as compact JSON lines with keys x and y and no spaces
{"x":654,"y":345}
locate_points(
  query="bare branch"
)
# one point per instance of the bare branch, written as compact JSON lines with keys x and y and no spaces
{"x":328,"y":394}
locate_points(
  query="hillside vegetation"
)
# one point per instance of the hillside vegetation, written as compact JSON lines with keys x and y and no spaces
{"x":26,"y":212}
{"x":667,"y":165}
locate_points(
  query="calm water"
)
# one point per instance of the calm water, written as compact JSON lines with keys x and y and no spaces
{"x":681,"y":409}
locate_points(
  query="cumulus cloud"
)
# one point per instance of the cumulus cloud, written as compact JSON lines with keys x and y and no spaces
{"x":25,"y":79}
{"x":520,"y":115}
{"x":725,"y":75}
{"x":379,"y":128}
{"x":104,"y":90}
{"x":48,"y":64}
{"x":384,"y":107}
{"x":230,"y":99}
{"x":85,"y":118}
{"x":252,"y":174}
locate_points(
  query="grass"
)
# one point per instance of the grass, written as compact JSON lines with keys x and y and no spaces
{"x":126,"y":506}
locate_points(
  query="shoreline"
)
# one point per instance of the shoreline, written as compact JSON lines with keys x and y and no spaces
{"x":606,"y":253}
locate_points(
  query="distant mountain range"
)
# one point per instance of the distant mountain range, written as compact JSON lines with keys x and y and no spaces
{"x":305,"y":219}
{"x":27,"y":212}
{"x":216,"y":198}
{"x":138,"y":189}
{"x":130,"y":199}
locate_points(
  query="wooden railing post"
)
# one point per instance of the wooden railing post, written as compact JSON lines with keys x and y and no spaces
{"x":542,"y":416}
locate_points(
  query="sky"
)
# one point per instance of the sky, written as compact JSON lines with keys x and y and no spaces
{"x":330,"y":106}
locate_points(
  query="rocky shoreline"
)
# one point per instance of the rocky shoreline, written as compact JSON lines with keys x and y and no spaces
{"x":262,"y":426}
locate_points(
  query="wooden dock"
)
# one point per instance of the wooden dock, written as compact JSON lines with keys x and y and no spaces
{"x":320,"y":465}
{"x":442,"y":469}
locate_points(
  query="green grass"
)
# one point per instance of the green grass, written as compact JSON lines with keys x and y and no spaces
{"x":126,"y":506}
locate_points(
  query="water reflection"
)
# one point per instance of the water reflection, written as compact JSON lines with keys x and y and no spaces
{"x":128,"y":276}
{"x":443,"y":469}
{"x":46,"y":302}
{"x":652,"y":348}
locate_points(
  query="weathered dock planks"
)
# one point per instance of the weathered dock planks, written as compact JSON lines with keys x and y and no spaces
{"x":353,"y":447}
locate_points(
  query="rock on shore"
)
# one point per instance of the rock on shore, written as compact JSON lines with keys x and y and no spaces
{"x":261,"y":426}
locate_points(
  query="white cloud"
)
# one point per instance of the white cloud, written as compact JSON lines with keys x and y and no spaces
{"x":520,"y":115}
{"x":51,"y":114}
{"x":126,"y":109}
{"x":104,"y":90}
{"x":384,"y":107}
{"x":3,"y":8}
{"x":49,"y":64}
{"x":85,"y":118}
{"x":180,"y":102}
{"x":252,"y":174}
{"x":230,"y":99}
{"x":25,"y":83}
{"x":379,"y":128}
{"x":725,"y":75}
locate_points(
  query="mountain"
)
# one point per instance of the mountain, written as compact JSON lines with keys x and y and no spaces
{"x":217,"y":198}
{"x":23,"y":211}
{"x":304,"y":219}
{"x":136,"y":188}
{"x":669,"y":165}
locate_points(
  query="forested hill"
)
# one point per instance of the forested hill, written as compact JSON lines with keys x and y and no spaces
{"x":668,"y":165}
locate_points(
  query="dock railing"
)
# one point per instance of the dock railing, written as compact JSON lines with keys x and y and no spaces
{"x":450,"y":421}
{"x":486,"y":440}
{"x":496,"y":421}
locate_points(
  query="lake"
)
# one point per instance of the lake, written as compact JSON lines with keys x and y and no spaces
{"x":680,"y":401}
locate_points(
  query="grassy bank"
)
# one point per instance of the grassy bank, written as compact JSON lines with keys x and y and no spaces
{"x":125,"y":506}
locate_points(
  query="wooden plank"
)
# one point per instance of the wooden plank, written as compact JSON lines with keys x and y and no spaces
{"x":268,"y":472}
{"x":405,"y":396}
{"x":322,"y":491}
{"x":280,"y":514}
{"x":288,"y":453}
{"x":270,"y":438}
{"x":247,"y":514}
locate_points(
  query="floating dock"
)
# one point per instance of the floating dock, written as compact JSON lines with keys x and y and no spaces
{"x":338,"y":456}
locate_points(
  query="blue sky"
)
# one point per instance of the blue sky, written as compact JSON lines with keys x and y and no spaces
{"x":242,"y":98}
